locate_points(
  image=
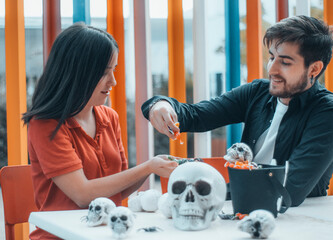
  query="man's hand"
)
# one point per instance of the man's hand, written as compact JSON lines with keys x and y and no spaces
{"x":163,"y":118}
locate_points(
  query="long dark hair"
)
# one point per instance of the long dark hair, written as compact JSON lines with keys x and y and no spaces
{"x":312,"y":36}
{"x":77,"y":61}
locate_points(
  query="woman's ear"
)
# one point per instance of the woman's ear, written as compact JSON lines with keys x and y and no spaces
{"x":315,"y":68}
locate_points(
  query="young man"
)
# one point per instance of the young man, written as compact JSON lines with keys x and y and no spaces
{"x":287,"y":118}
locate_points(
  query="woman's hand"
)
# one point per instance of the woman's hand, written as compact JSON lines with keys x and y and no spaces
{"x":162,"y":165}
{"x":162,"y":116}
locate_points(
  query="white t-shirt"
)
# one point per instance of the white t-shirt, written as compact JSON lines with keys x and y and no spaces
{"x":264,"y":155}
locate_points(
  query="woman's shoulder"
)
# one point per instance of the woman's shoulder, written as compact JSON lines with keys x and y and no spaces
{"x":42,"y":123}
{"x":45,"y":127}
{"x":41,"y":129}
{"x":106,"y":112}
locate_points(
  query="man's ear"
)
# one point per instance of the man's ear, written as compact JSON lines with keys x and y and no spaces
{"x":315,"y":68}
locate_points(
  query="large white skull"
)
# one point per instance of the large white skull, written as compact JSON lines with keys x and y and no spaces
{"x":196,"y":192}
{"x":98,"y":211}
{"x":121,"y":221}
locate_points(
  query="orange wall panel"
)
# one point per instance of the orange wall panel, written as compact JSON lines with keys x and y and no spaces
{"x":51,"y":25}
{"x":15,"y":82}
{"x":16,"y":90}
{"x":328,"y":17}
{"x":254,"y":40}
{"x":177,"y":83}
{"x":281,"y":9}
{"x":115,"y":26}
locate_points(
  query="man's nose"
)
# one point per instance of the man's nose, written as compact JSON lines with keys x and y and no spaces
{"x":273,"y":68}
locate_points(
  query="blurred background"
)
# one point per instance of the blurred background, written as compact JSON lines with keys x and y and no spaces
{"x":158,"y":13}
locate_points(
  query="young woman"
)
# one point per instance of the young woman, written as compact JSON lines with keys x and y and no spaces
{"x":74,"y":141}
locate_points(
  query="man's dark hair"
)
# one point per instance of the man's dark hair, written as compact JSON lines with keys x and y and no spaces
{"x":311,"y":35}
{"x":77,"y":61}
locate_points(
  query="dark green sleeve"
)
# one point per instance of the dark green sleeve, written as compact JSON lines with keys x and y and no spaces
{"x":150,"y":102}
{"x":209,"y":114}
{"x":311,"y":163}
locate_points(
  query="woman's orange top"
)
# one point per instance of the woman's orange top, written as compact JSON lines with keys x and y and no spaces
{"x":70,"y":150}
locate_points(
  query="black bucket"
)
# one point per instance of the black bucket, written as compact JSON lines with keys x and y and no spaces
{"x":258,"y":189}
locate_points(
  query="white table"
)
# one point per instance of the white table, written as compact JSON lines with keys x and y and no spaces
{"x":312,"y":220}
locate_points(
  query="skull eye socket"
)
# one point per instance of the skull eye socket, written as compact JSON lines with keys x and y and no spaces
{"x":203,"y":188}
{"x":178,"y":187}
{"x":90,"y":207}
{"x":98,"y":208}
{"x":240,"y":149}
{"x":123,"y":218}
{"x":113,"y":219}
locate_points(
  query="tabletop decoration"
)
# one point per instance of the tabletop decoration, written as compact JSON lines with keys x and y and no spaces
{"x":164,"y":205}
{"x":239,"y":152}
{"x":243,"y":165}
{"x":121,"y":222}
{"x":150,"y":229}
{"x":259,"y":224}
{"x":310,"y":220}
{"x":237,"y":216}
{"x":261,"y":188}
{"x":144,"y":201}
{"x":196,"y":192}
{"x":98,"y":211}
{"x":181,"y":161}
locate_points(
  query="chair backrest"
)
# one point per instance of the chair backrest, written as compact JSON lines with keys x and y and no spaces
{"x":17,"y":194}
{"x":216,"y":162}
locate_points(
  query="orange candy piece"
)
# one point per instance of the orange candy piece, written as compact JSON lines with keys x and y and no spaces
{"x":177,"y":134}
{"x":239,"y":165}
{"x":241,"y":216}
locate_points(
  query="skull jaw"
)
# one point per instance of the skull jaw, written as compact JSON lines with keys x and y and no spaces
{"x":120,"y":230}
{"x":190,"y":222}
{"x":95,"y":220}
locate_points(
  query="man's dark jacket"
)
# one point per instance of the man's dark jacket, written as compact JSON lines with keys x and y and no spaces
{"x":305,"y":135}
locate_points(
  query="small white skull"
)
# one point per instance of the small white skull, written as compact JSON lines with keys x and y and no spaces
{"x":239,"y":152}
{"x":98,"y":211}
{"x":121,"y":221}
{"x":164,"y":206}
{"x":196,"y":192}
{"x":259,"y":223}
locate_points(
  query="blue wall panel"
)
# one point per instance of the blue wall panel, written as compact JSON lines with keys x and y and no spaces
{"x":232,"y":49}
{"x":81,"y":11}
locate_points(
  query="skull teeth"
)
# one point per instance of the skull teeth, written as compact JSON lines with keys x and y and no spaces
{"x":191,"y":217}
{"x":191,"y":213}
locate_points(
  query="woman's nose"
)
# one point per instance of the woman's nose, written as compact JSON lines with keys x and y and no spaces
{"x":113,"y":80}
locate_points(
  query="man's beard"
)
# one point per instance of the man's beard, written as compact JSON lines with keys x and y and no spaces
{"x":289,"y":91}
